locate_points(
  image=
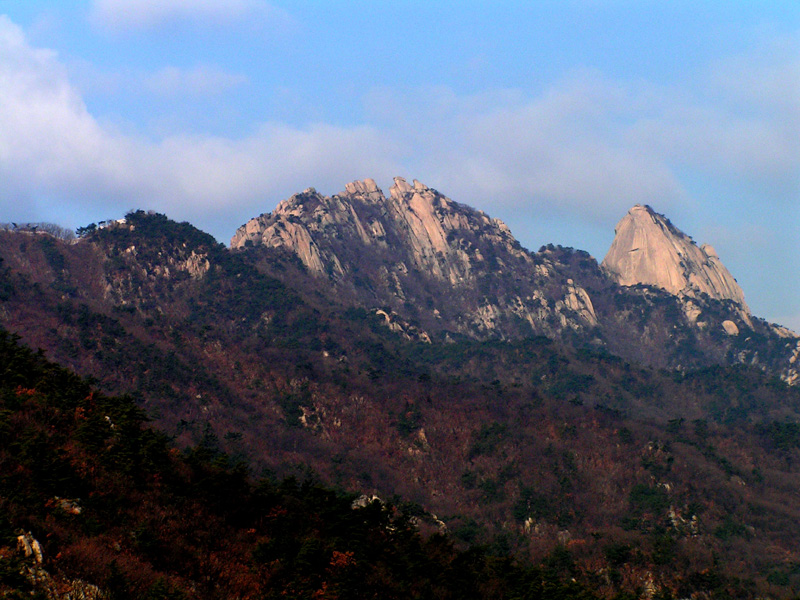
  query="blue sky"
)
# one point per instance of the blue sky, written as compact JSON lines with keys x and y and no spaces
{"x":553,"y":116}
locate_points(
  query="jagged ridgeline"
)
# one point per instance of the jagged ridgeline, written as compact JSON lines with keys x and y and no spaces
{"x":443,"y":264}
{"x":408,"y":345}
{"x":452,"y":271}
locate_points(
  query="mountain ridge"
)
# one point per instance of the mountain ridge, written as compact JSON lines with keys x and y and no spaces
{"x":536,"y":444}
{"x":408,"y":251}
{"x":415,"y":245}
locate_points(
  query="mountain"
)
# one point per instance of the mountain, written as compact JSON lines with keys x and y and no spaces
{"x":648,"y":249}
{"x":443,"y":270}
{"x":417,"y":247}
{"x":97,"y":505}
{"x":648,"y":450}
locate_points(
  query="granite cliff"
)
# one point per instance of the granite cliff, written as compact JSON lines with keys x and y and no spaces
{"x":434,"y":269}
{"x":649,"y":249}
{"x":416,"y":247}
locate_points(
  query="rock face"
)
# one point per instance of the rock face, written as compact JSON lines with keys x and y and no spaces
{"x":648,"y":249}
{"x":431,"y":269}
{"x":418,"y":247}
{"x":414,"y":221}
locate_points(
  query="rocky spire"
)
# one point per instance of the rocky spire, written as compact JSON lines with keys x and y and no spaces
{"x":648,"y":249}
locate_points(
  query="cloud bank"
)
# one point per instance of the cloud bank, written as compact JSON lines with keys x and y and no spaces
{"x":52,"y":147}
{"x":587,"y":147}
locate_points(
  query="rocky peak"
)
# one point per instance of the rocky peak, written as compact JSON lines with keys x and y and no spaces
{"x":366,"y":189}
{"x":401,"y":187}
{"x":417,"y":246}
{"x":649,"y":249}
{"x":419,"y":220}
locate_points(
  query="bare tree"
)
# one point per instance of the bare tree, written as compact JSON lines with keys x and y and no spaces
{"x":57,"y":231}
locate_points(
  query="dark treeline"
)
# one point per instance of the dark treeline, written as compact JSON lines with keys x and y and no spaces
{"x":53,"y":229}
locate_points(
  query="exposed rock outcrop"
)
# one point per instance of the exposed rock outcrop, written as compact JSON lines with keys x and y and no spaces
{"x":434,"y":269}
{"x":418,"y":246}
{"x":47,"y":585}
{"x":730,"y":327}
{"x":648,"y":249}
{"x":792,"y":374}
{"x":415,"y":220}
{"x":394,"y":323}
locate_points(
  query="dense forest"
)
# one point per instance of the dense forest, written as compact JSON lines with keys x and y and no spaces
{"x":234,"y":430}
{"x":109,"y":508}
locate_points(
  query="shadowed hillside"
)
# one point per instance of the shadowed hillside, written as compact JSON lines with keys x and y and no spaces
{"x":555,"y":451}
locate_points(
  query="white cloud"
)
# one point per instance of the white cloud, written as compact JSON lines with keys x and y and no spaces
{"x":44,"y":125}
{"x":592,"y":147}
{"x":51,"y":147}
{"x":202,"y":80}
{"x":122,"y":15}
{"x":759,"y":149}
{"x":588,"y":146}
{"x":168,"y":82}
{"x":564,"y":151}
{"x":767,"y":77}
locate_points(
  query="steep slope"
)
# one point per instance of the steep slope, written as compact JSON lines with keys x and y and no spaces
{"x":603,"y":473}
{"x":439,"y":270}
{"x":97,"y":505}
{"x":529,"y":444}
{"x":417,"y":248}
{"x":149,"y":306}
{"x":648,"y":249}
